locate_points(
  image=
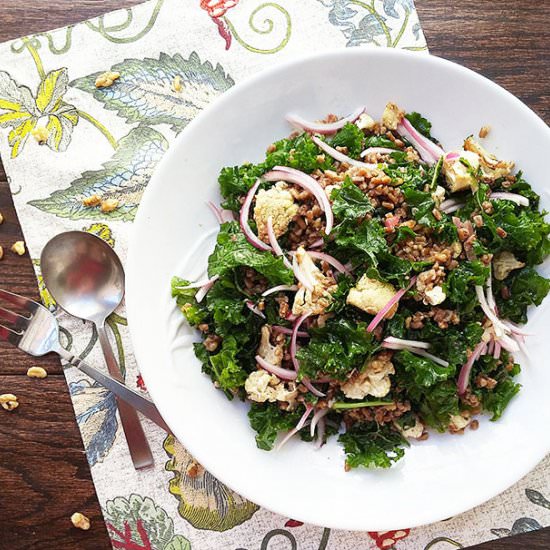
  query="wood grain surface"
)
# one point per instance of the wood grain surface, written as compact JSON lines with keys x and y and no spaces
{"x":44,"y":476}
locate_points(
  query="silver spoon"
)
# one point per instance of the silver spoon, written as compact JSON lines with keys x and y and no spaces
{"x":85,"y":277}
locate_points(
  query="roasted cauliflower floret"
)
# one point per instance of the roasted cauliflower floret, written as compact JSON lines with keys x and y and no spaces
{"x":392,"y":116}
{"x":458,"y":175}
{"x":271,"y":353}
{"x":504,"y":263}
{"x":317,"y":300}
{"x":490,"y":165}
{"x":277,"y":202}
{"x":371,"y":296}
{"x":260,"y":386}
{"x":414,"y":432}
{"x":365,"y":122}
{"x":374,"y":380}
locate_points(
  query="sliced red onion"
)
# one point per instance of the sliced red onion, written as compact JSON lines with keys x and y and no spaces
{"x":291,"y":316}
{"x":337,"y":155}
{"x":498,"y":325}
{"x":198,"y":284}
{"x":516,"y":329}
{"x":318,"y":243}
{"x":203,"y":290}
{"x":324,"y":128}
{"x":279,"y":372}
{"x":451,"y":205}
{"x":254,"y":309}
{"x":412,"y":343}
{"x":284,"y":173}
{"x":490,"y":296}
{"x":464,"y":376}
{"x":509,"y":344}
{"x":251,"y":237}
{"x":274,"y":243}
{"x":496,"y":352}
{"x":392,"y":222}
{"x":320,"y":433}
{"x":378,"y":150}
{"x":514,"y":197}
{"x":331,"y":260}
{"x":280,"y":288}
{"x":216,"y":211}
{"x":319,"y":413}
{"x":295,"y":430}
{"x":453,"y":155}
{"x":289,"y":331}
{"x":312,"y":388}
{"x":491,"y":347}
{"x":396,"y":297}
{"x":417,"y":351}
{"x":421,"y":143}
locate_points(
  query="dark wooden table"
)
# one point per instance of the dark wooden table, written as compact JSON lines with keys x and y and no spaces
{"x":44,"y":476}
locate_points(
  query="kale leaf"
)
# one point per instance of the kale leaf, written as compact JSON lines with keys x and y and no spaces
{"x":461,"y":281}
{"x":372,"y":446}
{"x":497,"y":399}
{"x":336,"y":349}
{"x":235,"y":181}
{"x":379,"y":141}
{"x":423,"y":371}
{"x":527,"y":288}
{"x":423,"y":125}
{"x":268,"y":420}
{"x":349,"y":202}
{"x":349,"y":136}
{"x":233,"y":250}
{"x":363,"y":242}
{"x":194,"y":312}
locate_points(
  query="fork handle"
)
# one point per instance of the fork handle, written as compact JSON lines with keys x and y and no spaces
{"x":137,"y":401}
{"x":133,"y":430}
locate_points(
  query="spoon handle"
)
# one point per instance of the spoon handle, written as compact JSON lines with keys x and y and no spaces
{"x":135,"y":436}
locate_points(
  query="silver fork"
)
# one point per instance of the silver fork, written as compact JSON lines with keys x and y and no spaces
{"x":38,"y":334}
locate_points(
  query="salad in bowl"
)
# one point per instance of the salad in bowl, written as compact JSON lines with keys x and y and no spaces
{"x":369,"y":285}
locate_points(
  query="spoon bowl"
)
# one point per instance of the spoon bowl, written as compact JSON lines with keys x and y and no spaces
{"x":83,"y":274}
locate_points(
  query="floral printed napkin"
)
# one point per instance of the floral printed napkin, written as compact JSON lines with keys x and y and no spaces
{"x":107,"y":141}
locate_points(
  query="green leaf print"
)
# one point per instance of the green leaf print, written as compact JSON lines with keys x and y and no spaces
{"x":124,"y":177}
{"x":203,"y":501}
{"x":145,"y":90}
{"x":178,"y":543}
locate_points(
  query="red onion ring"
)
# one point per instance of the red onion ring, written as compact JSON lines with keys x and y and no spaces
{"x":251,"y":237}
{"x":319,"y":413}
{"x":279,"y":288}
{"x":320,"y":433}
{"x":274,"y":243}
{"x":337,"y":155}
{"x":496,"y":352}
{"x":464,"y":376}
{"x":288,"y":331}
{"x":279,"y":372}
{"x":331,"y":260}
{"x":310,"y":184}
{"x":216,"y":211}
{"x":498,"y":325}
{"x":254,"y":309}
{"x":324,"y":127}
{"x":298,"y":427}
{"x":203,"y":290}
{"x":396,"y":297}
{"x":411,"y":343}
{"x":301,"y":276}
{"x":379,"y":150}
{"x":514,"y":197}
{"x":429,"y":151}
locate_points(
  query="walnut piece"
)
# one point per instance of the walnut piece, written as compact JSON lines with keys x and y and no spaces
{"x":40,"y":134}
{"x":18,"y":248}
{"x":80,"y":521}
{"x":37,"y":372}
{"x":106,"y":79}
{"x":93,"y":200}
{"x":177,"y":84}
{"x":108,"y":205}
{"x":484,"y":131}
{"x":9,"y":401}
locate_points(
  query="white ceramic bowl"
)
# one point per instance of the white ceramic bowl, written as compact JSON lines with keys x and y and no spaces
{"x":174,"y":232}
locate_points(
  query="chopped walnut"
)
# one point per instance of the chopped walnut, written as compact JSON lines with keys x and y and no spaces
{"x":484,"y":131}
{"x":106,"y":79}
{"x":108,"y":205}
{"x":9,"y":401}
{"x":177,"y":85}
{"x":194,"y":469}
{"x":40,"y":134}
{"x":37,"y":372}
{"x":18,"y":248}
{"x":93,"y":200}
{"x":80,"y":521}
